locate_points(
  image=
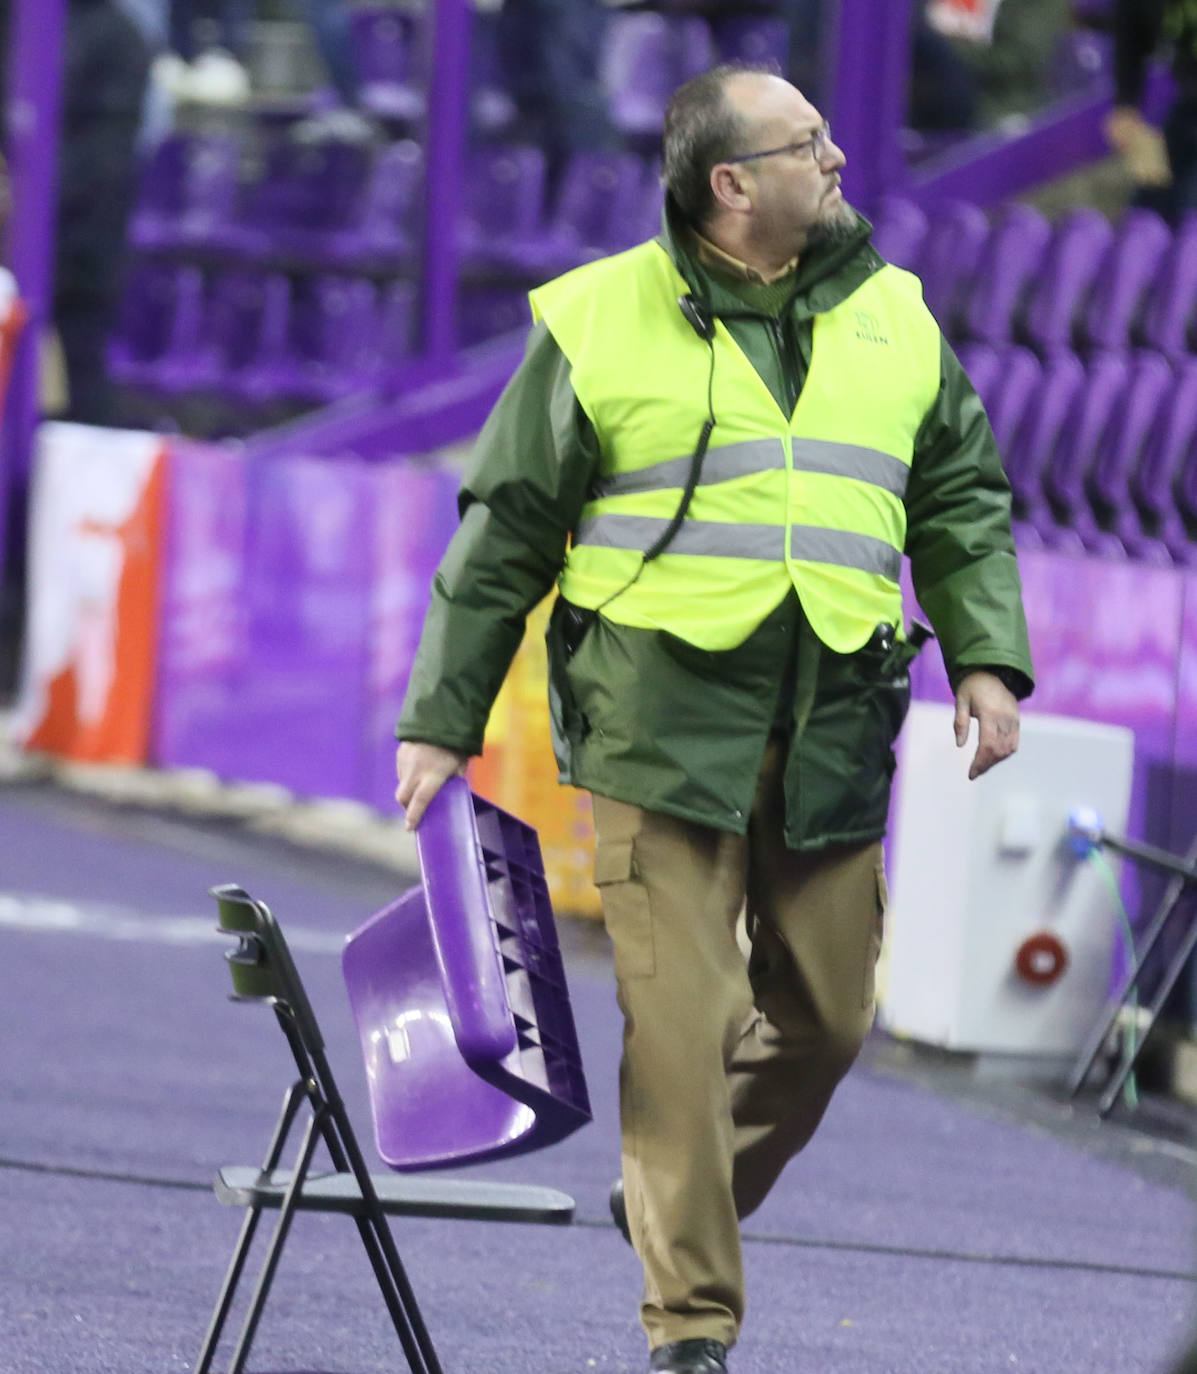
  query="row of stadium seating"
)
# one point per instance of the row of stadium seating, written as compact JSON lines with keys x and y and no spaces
{"x":1101,"y":454}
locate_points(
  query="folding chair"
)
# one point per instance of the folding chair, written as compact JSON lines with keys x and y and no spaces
{"x":461,"y":1006}
{"x":1086,"y":834}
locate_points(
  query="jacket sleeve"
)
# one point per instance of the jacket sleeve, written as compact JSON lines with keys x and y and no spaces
{"x":531,"y":468}
{"x":958,"y":537}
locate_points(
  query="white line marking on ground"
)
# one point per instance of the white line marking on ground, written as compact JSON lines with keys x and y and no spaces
{"x":109,"y":921}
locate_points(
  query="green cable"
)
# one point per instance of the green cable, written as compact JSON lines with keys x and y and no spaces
{"x":1130,"y":1092}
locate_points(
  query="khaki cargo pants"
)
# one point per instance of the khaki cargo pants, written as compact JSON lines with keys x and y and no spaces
{"x":728,"y":1065}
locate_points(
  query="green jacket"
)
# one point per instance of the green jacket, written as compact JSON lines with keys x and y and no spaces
{"x":644,"y":717}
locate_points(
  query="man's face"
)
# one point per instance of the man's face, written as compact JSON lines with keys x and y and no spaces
{"x":795,"y":191}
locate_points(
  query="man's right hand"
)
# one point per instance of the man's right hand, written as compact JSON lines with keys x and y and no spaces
{"x":423,"y":769}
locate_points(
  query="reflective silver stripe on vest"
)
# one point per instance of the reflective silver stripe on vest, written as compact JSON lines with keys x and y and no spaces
{"x":765,"y":455}
{"x":850,"y":460}
{"x":719,"y":465}
{"x":710,"y":538}
{"x":811,"y":544}
{"x":713,"y":539}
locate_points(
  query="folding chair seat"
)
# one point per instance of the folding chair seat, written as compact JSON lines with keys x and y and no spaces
{"x":157,"y":344}
{"x":470,"y":1051}
{"x":1168,"y":316}
{"x":382,"y":229}
{"x":188,"y":194}
{"x":385,"y":45}
{"x":1064,"y":479}
{"x":1048,"y":409}
{"x":899,"y":228}
{"x":330,"y":338}
{"x":590,"y":218}
{"x":645,"y":58}
{"x":982,"y":363}
{"x":1079,"y":246}
{"x":1120,"y":454}
{"x":248,"y":325}
{"x":1017,"y":381}
{"x":1010,"y":263}
{"x":956,"y":236}
{"x":1125,"y":280}
{"x":504,"y":209}
{"x":1155,"y":481}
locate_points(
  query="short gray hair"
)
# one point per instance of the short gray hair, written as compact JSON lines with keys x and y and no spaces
{"x":702,"y":129}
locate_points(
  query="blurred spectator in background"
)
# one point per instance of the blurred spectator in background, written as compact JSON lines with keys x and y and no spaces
{"x":106,"y":69}
{"x":1010,"y":60}
{"x":548,"y":55}
{"x":943,"y":89}
{"x":1164,"y":170}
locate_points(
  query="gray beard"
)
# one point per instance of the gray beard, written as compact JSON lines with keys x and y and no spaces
{"x":835,"y":227}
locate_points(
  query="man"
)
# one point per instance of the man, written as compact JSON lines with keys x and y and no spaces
{"x":726,"y":679}
{"x":1163,"y":169}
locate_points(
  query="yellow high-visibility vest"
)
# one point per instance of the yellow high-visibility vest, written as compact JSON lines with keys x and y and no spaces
{"x":811,"y":500}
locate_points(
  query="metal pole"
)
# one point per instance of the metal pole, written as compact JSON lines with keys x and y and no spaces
{"x":36,"y":43}
{"x":448,"y":119}
{"x":869,"y":67}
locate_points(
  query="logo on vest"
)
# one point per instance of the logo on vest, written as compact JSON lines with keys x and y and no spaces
{"x":868,"y":329}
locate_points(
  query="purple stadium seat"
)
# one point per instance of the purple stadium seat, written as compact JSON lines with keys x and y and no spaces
{"x":1125,"y":279}
{"x":899,"y":229}
{"x":486,"y":311}
{"x":188,"y":193}
{"x":1154,"y":482}
{"x":385,"y":224}
{"x":1089,"y":422}
{"x":1080,"y":244}
{"x":505,"y":193}
{"x":1119,"y":455}
{"x":751,"y":38}
{"x":596,"y":213}
{"x":1082,"y":62}
{"x":385,"y":45}
{"x":1012,"y":257}
{"x":1019,"y":377}
{"x":1061,"y":382}
{"x":308,"y":193}
{"x":248,"y":324}
{"x":1169,"y":311}
{"x":982,"y":363}
{"x":645,"y":58}
{"x":331,"y":338}
{"x":157,"y":343}
{"x":952,"y":249}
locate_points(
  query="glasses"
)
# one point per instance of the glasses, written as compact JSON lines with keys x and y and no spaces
{"x":818,"y":143}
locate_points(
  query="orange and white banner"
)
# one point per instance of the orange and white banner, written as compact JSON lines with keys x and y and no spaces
{"x":95,"y":536}
{"x":970,"y":19}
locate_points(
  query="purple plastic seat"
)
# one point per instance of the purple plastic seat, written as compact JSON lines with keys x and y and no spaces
{"x":504,"y":209}
{"x":645,"y":57}
{"x":956,"y":236}
{"x":383,"y":228}
{"x":1120,"y":454}
{"x":1169,"y":311}
{"x":899,"y":229}
{"x":596,"y":213}
{"x":385,"y":43}
{"x":307,"y":195}
{"x":158,"y":342}
{"x":1154,"y":483}
{"x":188,"y":194}
{"x":1008,"y":265}
{"x":1082,"y":62}
{"x":486,"y":311}
{"x":1019,"y":377}
{"x":247,"y":331}
{"x":982,"y":363}
{"x":1061,"y":381}
{"x":751,"y":38}
{"x":1125,"y":279}
{"x":1080,"y":244}
{"x":1089,"y":422}
{"x":331,"y":338}
{"x":460,"y":999}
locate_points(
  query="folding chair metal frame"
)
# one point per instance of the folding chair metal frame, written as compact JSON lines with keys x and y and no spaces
{"x":263,"y":971}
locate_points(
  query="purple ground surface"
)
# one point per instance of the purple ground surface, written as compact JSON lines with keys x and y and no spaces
{"x":919,"y":1234}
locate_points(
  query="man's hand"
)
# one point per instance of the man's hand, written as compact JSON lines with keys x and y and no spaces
{"x":1140,"y":145}
{"x":995,"y":707}
{"x":423,"y":769}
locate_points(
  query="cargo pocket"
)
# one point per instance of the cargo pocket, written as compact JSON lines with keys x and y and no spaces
{"x":626,"y":909}
{"x":876,"y":936}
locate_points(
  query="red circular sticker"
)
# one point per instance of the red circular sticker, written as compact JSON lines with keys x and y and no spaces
{"x":1041,"y":959}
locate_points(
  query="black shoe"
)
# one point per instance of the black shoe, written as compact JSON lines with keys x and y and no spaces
{"x":619,"y":1213}
{"x":689,"y":1357}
